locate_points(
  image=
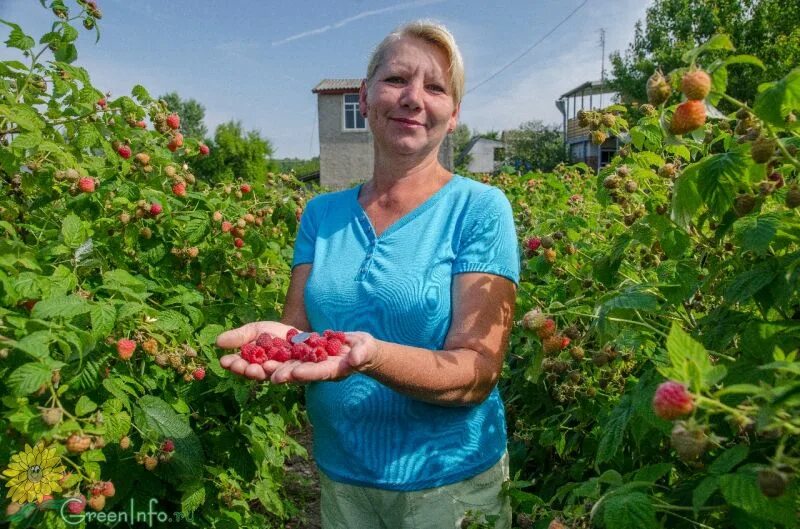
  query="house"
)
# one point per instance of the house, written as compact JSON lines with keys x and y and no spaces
{"x":591,"y":95}
{"x":482,"y":155}
{"x":345,"y":141}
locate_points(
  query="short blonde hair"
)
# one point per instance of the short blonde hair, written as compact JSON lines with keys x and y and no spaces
{"x":433,"y":33}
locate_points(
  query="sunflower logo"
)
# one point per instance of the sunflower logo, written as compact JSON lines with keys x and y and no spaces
{"x":34,"y":473}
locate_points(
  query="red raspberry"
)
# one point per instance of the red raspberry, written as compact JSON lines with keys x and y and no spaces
{"x":245,"y":188}
{"x":291,"y":333}
{"x":175,"y":142}
{"x":155,"y":209}
{"x":547,"y":329}
{"x":339,"y":335}
{"x":125,"y":348}
{"x":333,"y":346}
{"x":76,"y":504}
{"x":226,"y":226}
{"x":204,"y":150}
{"x":253,"y":353}
{"x":280,"y":354}
{"x":168,"y":445}
{"x":179,"y":189}
{"x":141,"y":124}
{"x":671,"y":400}
{"x":86,"y":185}
{"x":124,"y":151}
{"x":238,"y":242}
{"x":199,"y":373}
{"x":108,"y":489}
{"x":264,"y":340}
{"x":696,"y":85}
{"x":689,"y":116}
{"x":564,"y":342}
{"x":301,"y":350}
{"x":315,"y":340}
{"x":174,"y":121}
{"x":102,"y":103}
{"x":320,"y":354}
{"x":533,"y":243}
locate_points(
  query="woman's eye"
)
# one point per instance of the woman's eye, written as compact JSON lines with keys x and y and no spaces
{"x":436,"y":88}
{"x":394,"y":79}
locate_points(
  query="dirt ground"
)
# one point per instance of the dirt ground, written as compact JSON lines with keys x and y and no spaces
{"x":302,"y":483}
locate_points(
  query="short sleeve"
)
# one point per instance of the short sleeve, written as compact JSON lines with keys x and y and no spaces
{"x":488,"y":241}
{"x":307,"y":233}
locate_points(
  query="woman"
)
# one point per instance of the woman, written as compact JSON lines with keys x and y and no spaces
{"x":419,"y":267}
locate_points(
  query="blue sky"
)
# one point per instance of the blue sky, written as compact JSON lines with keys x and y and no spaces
{"x":257,"y":61}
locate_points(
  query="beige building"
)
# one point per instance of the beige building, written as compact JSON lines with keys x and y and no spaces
{"x":345,"y":141}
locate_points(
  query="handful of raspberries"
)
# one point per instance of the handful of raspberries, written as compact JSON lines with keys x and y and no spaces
{"x":316,"y":348}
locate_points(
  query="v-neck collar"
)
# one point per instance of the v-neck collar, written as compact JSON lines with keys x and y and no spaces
{"x":405,"y":219}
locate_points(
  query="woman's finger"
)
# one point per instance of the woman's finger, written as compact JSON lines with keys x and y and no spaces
{"x":284,"y":372}
{"x":227,"y":360}
{"x":238,"y":337}
{"x":255,"y":371}
{"x":239,"y":366}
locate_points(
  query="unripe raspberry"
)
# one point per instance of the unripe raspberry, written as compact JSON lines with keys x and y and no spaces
{"x":547,"y":242}
{"x":577,"y":353}
{"x":124,"y":217}
{"x":142,"y":158}
{"x":141,"y":124}
{"x":689,"y":115}
{"x":552,"y":344}
{"x":793,"y":197}
{"x":124,"y":151}
{"x":193,"y":252}
{"x":125,"y":348}
{"x":696,"y":85}
{"x":150,"y":346}
{"x":772,"y":482}
{"x":688,"y":441}
{"x":743,"y":204}
{"x":556,"y":524}
{"x":217,"y":216}
{"x":150,"y":463}
{"x":86,"y":185}
{"x":667,"y":170}
{"x":549,"y":255}
{"x":226,"y":226}
{"x":546,"y":329}
{"x":763,"y":149}
{"x":671,"y":400}
{"x":108,"y":489}
{"x":598,"y":137}
{"x":533,"y":319}
{"x":175,"y":142}
{"x":174,"y":121}
{"x":125,"y":442}
{"x":102,"y":103}
{"x":52,"y":416}
{"x":658,"y":89}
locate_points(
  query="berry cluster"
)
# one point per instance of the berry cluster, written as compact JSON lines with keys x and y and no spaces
{"x":315,"y":349}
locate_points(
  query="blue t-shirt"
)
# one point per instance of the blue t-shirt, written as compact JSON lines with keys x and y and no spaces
{"x":397,"y":287}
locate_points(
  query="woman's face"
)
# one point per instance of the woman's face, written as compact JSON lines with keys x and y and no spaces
{"x":408,"y":100}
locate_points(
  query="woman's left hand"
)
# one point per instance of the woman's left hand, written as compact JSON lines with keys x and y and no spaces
{"x":359,"y":351}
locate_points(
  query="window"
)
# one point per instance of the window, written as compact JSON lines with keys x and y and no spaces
{"x":353,"y":120}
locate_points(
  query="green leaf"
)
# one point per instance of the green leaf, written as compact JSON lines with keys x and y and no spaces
{"x":87,"y":136}
{"x":745,"y":285}
{"x":741,"y":491}
{"x":720,"y":41}
{"x":689,"y":362}
{"x":18,"y":39}
{"x":208,"y":336}
{"x":117,"y":422}
{"x":120,"y":390}
{"x":194,"y":496}
{"x":121,"y":277}
{"x":84,"y":406}
{"x":28,"y":140}
{"x":36,"y":344}
{"x":614,"y":430}
{"x":141,"y":94}
{"x":104,"y":316}
{"x":267,"y":494}
{"x":60,"y":307}
{"x":686,"y":199}
{"x":653,"y":473}
{"x":196,"y":230}
{"x":72,"y":231}
{"x":704,"y":490}
{"x":744,"y":59}
{"x":28,"y":378}
{"x":728,"y":459}
{"x":157,"y":418}
{"x":717,"y":178}
{"x":629,"y":511}
{"x":755,"y":233}
{"x":777,"y":100}
{"x":67,"y":53}
{"x":25,"y":117}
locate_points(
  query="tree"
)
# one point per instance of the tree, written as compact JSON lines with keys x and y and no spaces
{"x":237,"y":155}
{"x":535,"y":146}
{"x":767,"y":29}
{"x":191,"y":112}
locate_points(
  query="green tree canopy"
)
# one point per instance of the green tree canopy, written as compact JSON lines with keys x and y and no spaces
{"x":535,"y":146}
{"x":237,"y":155}
{"x":768,"y":29}
{"x":191,"y":113}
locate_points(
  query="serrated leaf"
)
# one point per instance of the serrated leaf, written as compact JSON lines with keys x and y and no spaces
{"x":190,"y":297}
{"x":141,"y":94}
{"x":689,"y":361}
{"x":120,"y":390}
{"x":208,"y":336}
{"x":745,"y":285}
{"x":267,"y":493}
{"x":652,"y":473}
{"x":777,"y":100}
{"x":25,"y":117}
{"x":755,"y":233}
{"x":28,"y":140}
{"x":629,"y":511}
{"x":28,"y":378}
{"x":87,"y":136}
{"x":717,"y":179}
{"x":154,"y":417}
{"x":728,"y":459}
{"x":614,"y":430}
{"x":121,"y":277}
{"x":741,"y":490}
{"x":704,"y":490}
{"x":60,"y":307}
{"x":104,"y":316}
{"x":17,"y":38}
{"x":196,"y":230}
{"x":193,"y":497}
{"x":36,"y":344}
{"x":117,"y":423}
{"x":84,"y":406}
{"x":72,"y":231}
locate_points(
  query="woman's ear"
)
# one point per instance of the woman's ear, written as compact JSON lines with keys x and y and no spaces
{"x":362,"y":98}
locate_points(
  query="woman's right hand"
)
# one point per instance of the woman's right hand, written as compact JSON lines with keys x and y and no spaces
{"x":235,"y":338}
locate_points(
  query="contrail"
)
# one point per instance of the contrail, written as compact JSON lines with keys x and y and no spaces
{"x":353,"y":18}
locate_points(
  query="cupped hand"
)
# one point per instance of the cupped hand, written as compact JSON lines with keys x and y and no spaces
{"x":235,"y":338}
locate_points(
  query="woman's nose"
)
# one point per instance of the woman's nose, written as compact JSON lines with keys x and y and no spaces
{"x":412,"y":95}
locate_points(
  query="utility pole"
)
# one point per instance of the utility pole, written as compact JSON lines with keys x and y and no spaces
{"x":602,"y":87}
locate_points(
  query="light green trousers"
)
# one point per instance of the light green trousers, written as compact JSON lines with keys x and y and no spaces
{"x":352,"y":507}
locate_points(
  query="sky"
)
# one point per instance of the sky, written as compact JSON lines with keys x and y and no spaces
{"x":257,"y":61}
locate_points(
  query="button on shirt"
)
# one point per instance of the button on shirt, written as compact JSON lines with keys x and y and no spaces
{"x":397,"y":287}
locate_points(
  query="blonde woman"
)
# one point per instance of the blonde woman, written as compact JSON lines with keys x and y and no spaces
{"x":419,"y":267}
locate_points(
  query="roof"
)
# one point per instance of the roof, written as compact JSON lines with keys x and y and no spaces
{"x":589,"y":88}
{"x":473,"y":141}
{"x":337,"y":86}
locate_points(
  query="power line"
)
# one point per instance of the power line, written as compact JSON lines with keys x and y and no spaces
{"x":504,"y":68}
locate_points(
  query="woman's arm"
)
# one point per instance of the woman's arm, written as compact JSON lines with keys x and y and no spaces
{"x":294,"y":309}
{"x":462,"y":374}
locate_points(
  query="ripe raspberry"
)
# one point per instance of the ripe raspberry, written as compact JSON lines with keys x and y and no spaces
{"x":108,"y":489}
{"x":533,"y":243}
{"x":175,"y":142}
{"x":86,"y":185}
{"x":168,"y":445}
{"x":174,"y":121}
{"x":564,"y":342}
{"x":125,"y":348}
{"x":141,"y":124}
{"x":253,"y":353}
{"x":291,"y":333}
{"x":546,"y":329}
{"x":658,"y":89}
{"x":155,"y":209}
{"x":279,"y":354}
{"x":671,"y":400}
{"x":264,"y":340}
{"x":199,"y":373}
{"x":772,"y":482}
{"x":300,"y":351}
{"x":179,"y":189}
{"x":337,"y":335}
{"x":226,"y":226}
{"x":238,"y":242}
{"x":696,"y":85}
{"x":76,"y":504}
{"x":762,"y":149}
{"x":689,"y":441}
{"x":124,"y":151}
{"x":102,"y":103}
{"x":204,"y":150}
{"x":333,"y":346}
{"x":689,"y":116}
{"x":556,"y":524}
{"x":245,"y":188}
